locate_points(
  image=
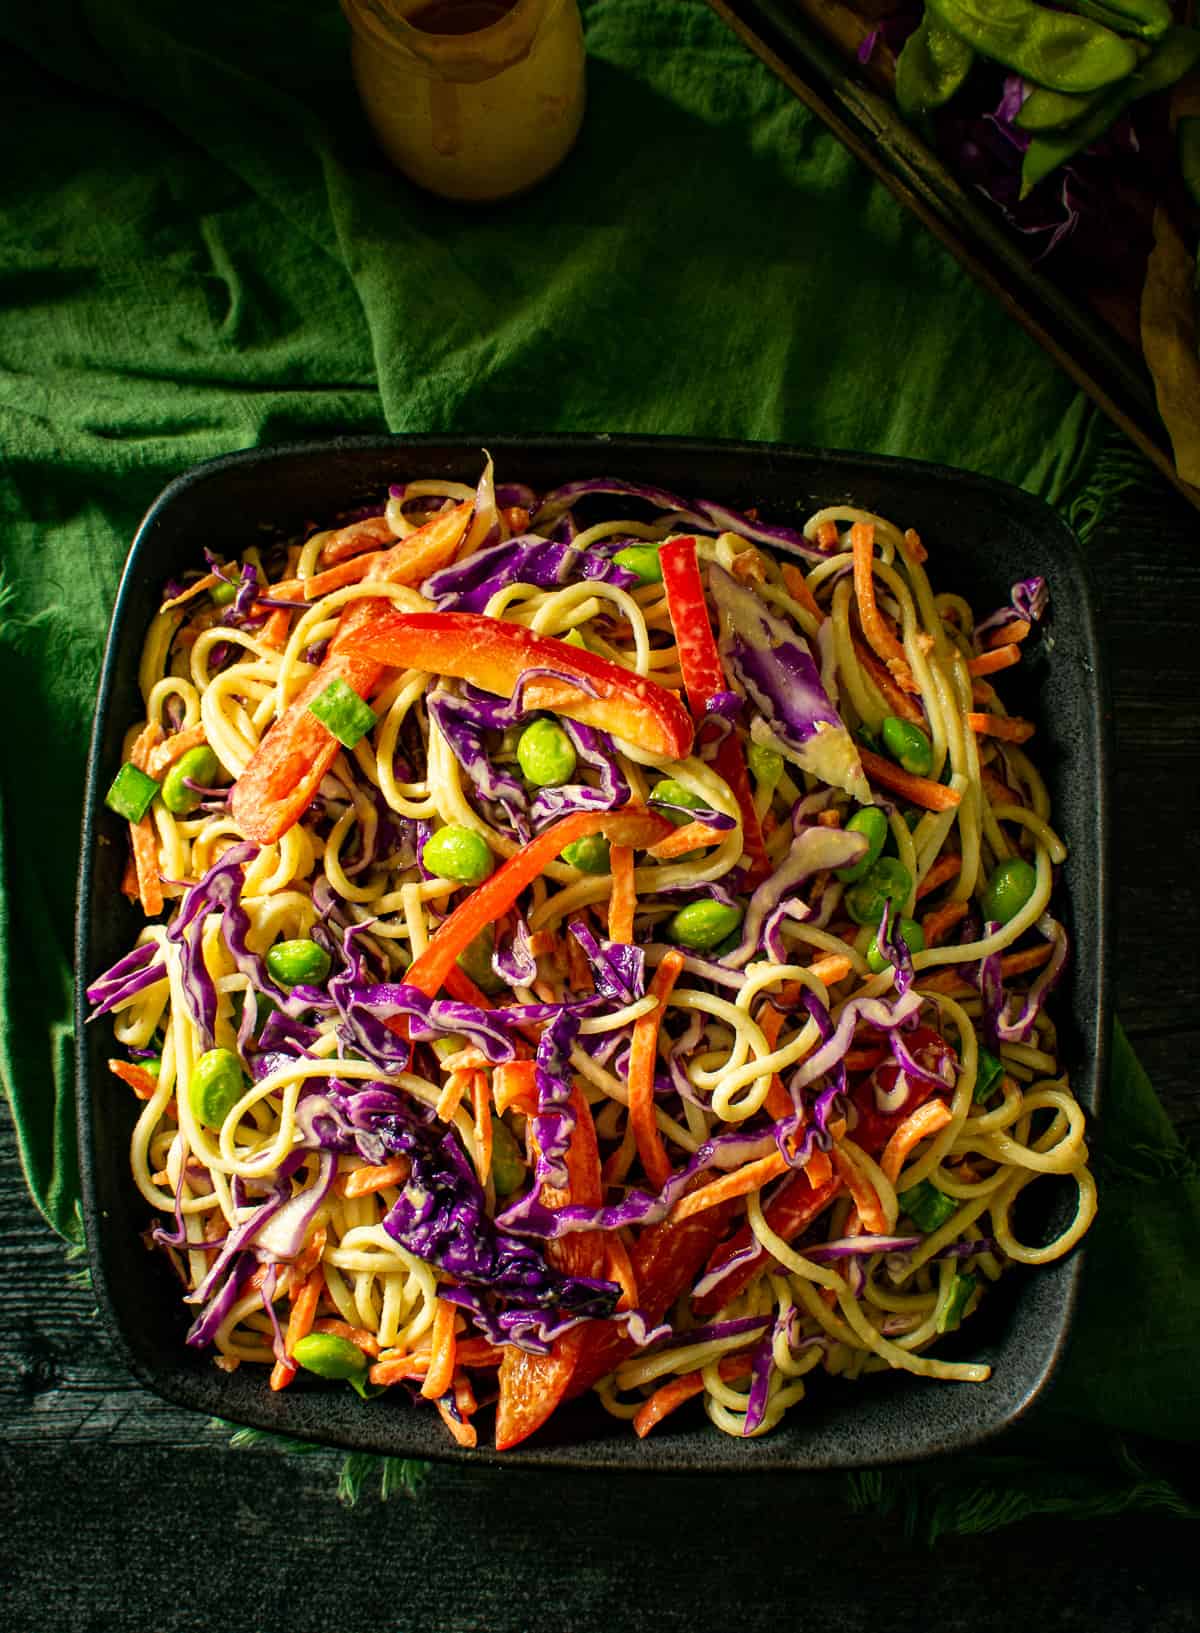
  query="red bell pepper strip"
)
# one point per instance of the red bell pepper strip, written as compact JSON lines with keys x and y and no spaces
{"x":796,"y":1204}
{"x":493,"y":654}
{"x":632,"y":825}
{"x":666,"y":1259}
{"x":703,"y":678}
{"x":532,"y":1386}
{"x":285,"y":770}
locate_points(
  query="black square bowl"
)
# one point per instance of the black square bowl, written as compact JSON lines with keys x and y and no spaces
{"x":982,"y":536}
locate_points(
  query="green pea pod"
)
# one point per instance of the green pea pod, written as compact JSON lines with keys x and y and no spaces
{"x":1049,"y":47}
{"x":930,"y":68}
{"x":1176,"y":55}
{"x":1144,"y":19}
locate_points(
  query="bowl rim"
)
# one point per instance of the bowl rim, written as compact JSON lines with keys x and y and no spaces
{"x":180,"y":1386}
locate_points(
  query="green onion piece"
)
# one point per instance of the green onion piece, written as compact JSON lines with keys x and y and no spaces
{"x":987,"y":1074}
{"x":132,"y":792}
{"x":340,"y":708}
{"x":956,"y":1305}
{"x":927,"y":1207}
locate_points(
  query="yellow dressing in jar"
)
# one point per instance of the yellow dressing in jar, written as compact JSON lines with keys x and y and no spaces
{"x":472,"y":99}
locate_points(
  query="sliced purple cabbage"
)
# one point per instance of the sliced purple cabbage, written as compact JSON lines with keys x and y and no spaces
{"x":512,"y":959}
{"x":770,"y":661}
{"x":618,"y":968}
{"x":814,"y":850}
{"x":470,"y":584}
{"x":1029,"y":598}
{"x":139,"y":969}
{"x":1017,"y":1016}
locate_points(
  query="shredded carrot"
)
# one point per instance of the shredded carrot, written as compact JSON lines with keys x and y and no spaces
{"x":1000,"y":657}
{"x":357,"y":537}
{"x":358,"y":1336}
{"x":997,"y":791}
{"x":441,"y":1351}
{"x":623,"y":902}
{"x":469,"y":1059}
{"x":664,"y":1401}
{"x":752,"y":1176}
{"x":831,"y":969}
{"x":897,"y":700}
{"x":365,"y":1181}
{"x":917,"y":1126}
{"x":879,"y":636}
{"x":983,"y":694}
{"x":514,"y":1083}
{"x":915,"y":549}
{"x":687,"y":838}
{"x":818,"y":1170}
{"x":922,"y":791}
{"x":304,"y":1309}
{"x":947,"y":981}
{"x":579,"y":971}
{"x":865,"y":1199}
{"x":483,"y":1125}
{"x":748,"y":565}
{"x":1009,"y":633}
{"x":1008,"y":729}
{"x":619,"y":1268}
{"x":937,"y":924}
{"x":129,"y":883}
{"x":394,"y":1369}
{"x":796,"y":585}
{"x":516,"y":518}
{"x":778,"y":1102}
{"x":274,"y":633}
{"x":464,"y":1433}
{"x":825,"y":535}
{"x":948,"y":866}
{"x":137,"y":1077}
{"x":450,"y":1098}
{"x":642,"y":1054}
{"x":143,"y":835}
{"x":829,"y":819}
{"x":543,"y":942}
{"x":309,"y":1256}
{"x":346,"y":572}
{"x":174,"y":748}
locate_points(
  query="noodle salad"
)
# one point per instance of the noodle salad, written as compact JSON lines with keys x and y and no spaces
{"x":594,"y":941}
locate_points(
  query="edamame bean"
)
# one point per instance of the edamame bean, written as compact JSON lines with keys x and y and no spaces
{"x":1011,"y":885}
{"x":907,"y":745}
{"x":197,"y":765}
{"x":911,"y":935}
{"x":475,"y":960}
{"x":888,"y":880}
{"x":508,"y":1165}
{"x":458,"y":853}
{"x":546,"y":754}
{"x":701,"y":925}
{"x":589,"y":854}
{"x":766,"y":764}
{"x":668,"y":792}
{"x":293,"y":962}
{"x":872,"y":823}
{"x":641,"y":559}
{"x":931,"y":68}
{"x":223,"y":593}
{"x":215,"y":1086}
{"x":1049,"y":47}
{"x":329,"y":1356}
{"x":1175,"y":55}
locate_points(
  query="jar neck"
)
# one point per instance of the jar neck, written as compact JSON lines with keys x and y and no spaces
{"x":460,"y":57}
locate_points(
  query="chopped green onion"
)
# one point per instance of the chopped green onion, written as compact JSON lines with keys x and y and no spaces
{"x":132,"y":792}
{"x":956,"y":1305}
{"x":987,"y":1074}
{"x":340,"y":708}
{"x":927,"y":1207}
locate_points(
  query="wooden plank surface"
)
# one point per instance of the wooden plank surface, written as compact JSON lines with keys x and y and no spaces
{"x":124,"y":1512}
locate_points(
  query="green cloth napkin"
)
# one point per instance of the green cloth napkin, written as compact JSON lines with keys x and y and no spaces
{"x":210,"y":254}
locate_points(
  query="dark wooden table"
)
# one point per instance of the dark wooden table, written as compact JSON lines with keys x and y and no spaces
{"x":124,"y":1512}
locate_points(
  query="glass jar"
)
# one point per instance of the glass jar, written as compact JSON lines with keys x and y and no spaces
{"x":472,"y":99}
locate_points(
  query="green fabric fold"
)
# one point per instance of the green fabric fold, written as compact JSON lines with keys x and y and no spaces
{"x":210,"y":254}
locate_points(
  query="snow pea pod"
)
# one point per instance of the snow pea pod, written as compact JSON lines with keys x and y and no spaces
{"x":1174,"y":56}
{"x":930,"y":68}
{"x":1049,"y":47}
{"x":1144,"y":19}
